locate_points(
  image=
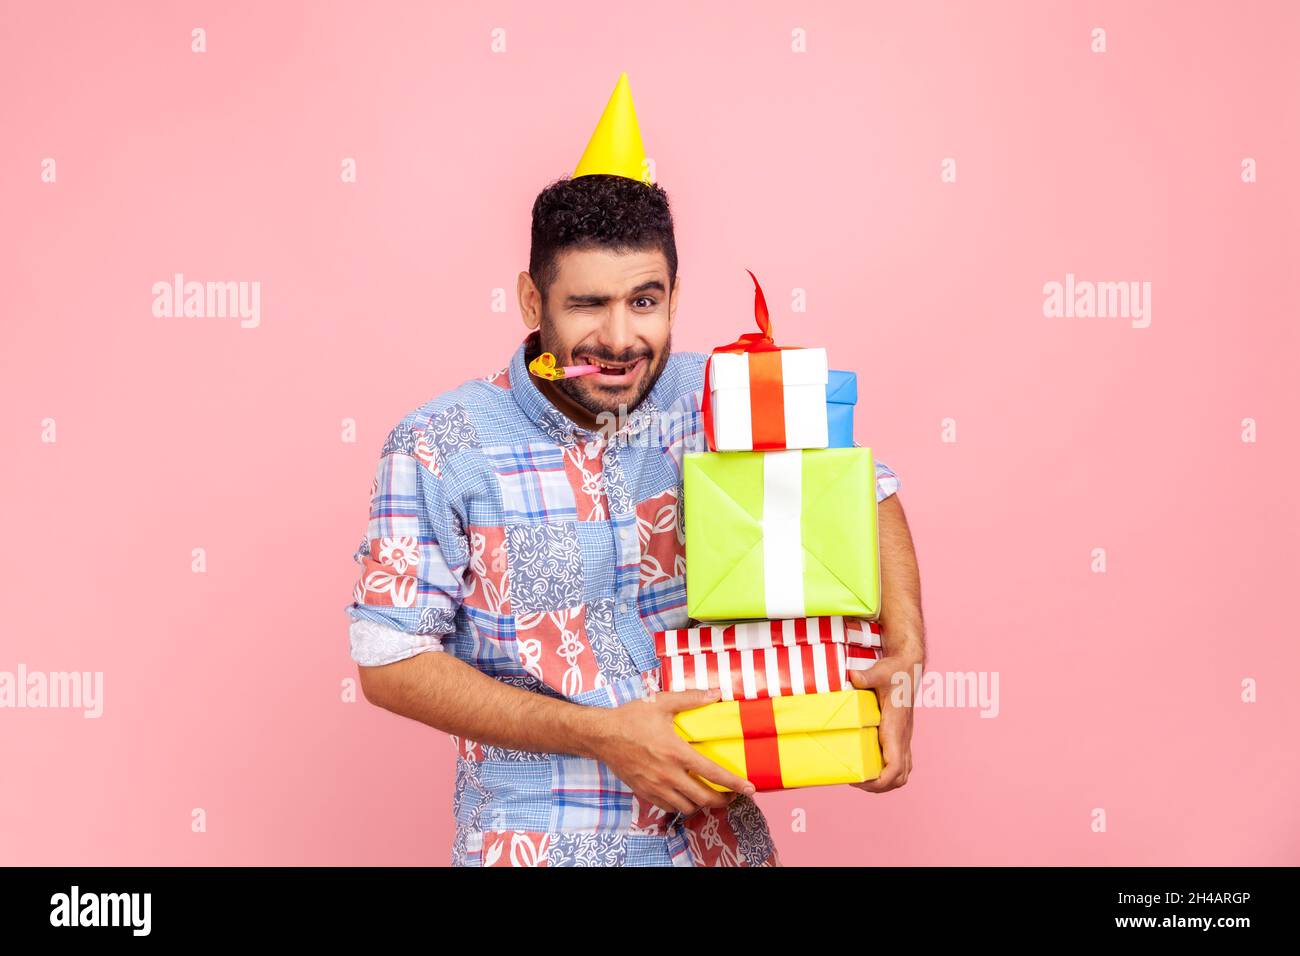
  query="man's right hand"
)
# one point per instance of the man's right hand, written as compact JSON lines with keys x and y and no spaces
{"x":637,"y":741}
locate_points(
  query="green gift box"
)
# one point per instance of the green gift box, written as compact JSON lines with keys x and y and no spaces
{"x":781,"y":534}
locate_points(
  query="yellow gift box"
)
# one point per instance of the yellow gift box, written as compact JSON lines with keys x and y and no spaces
{"x":776,"y":743}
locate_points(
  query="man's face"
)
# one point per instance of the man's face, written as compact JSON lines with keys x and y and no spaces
{"x":612,"y":310}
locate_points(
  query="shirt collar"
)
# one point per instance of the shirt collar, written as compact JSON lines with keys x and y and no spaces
{"x":538,"y":408}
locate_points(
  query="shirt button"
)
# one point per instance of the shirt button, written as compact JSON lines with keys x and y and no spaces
{"x":622,"y":608}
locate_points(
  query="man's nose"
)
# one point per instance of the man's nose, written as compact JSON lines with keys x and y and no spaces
{"x":617,"y":335}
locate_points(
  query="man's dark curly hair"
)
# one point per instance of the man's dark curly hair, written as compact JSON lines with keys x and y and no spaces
{"x":615,"y":212}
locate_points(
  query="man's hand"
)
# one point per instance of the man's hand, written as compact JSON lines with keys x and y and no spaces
{"x":637,"y":741}
{"x":902,"y":632}
{"x":895,"y":717}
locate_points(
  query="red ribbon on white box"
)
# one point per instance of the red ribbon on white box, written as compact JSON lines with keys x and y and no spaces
{"x":766,"y":401}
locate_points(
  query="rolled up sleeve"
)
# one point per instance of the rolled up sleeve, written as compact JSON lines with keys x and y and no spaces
{"x":412,"y":559}
{"x":887,"y":482}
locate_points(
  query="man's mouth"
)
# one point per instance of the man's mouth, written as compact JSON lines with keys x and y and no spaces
{"x":611,"y":373}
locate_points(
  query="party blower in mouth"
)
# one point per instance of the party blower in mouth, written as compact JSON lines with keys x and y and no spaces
{"x":544,"y":367}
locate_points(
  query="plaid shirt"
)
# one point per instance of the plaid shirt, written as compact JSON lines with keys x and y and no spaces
{"x":545,"y":555}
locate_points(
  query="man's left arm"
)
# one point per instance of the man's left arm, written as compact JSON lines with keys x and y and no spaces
{"x":902,"y":634}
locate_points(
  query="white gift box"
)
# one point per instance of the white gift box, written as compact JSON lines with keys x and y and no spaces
{"x":802,"y":400}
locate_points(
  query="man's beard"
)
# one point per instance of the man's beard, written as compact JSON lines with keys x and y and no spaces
{"x":591,"y":402}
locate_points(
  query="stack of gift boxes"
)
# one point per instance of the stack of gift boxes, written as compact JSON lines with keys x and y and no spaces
{"x":782,"y":571}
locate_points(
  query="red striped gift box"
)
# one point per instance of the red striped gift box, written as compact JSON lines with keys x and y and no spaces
{"x":753,"y":660}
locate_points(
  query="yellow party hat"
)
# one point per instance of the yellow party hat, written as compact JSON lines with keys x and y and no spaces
{"x":615,"y":147}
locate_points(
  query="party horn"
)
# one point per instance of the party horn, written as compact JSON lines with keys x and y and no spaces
{"x":544,"y":367}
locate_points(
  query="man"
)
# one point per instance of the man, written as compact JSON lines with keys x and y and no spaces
{"x":525,"y":542}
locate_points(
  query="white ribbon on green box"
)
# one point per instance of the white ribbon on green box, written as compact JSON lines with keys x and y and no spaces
{"x":781,"y":534}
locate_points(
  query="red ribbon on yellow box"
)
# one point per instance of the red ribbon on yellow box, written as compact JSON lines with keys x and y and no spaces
{"x":781,"y":742}
{"x":766,"y":392}
{"x":762,"y":757}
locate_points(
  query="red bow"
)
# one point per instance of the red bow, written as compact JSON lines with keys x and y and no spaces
{"x":766,"y":396}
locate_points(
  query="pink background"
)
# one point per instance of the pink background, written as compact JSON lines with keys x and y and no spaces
{"x":819,"y":171}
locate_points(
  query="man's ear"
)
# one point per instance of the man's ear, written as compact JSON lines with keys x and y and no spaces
{"x":530,"y":301}
{"x":673,"y":300}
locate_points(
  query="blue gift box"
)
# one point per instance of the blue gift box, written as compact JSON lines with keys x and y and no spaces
{"x":841,"y":396}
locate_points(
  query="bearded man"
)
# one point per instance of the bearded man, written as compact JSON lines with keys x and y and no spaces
{"x":524,"y":544}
